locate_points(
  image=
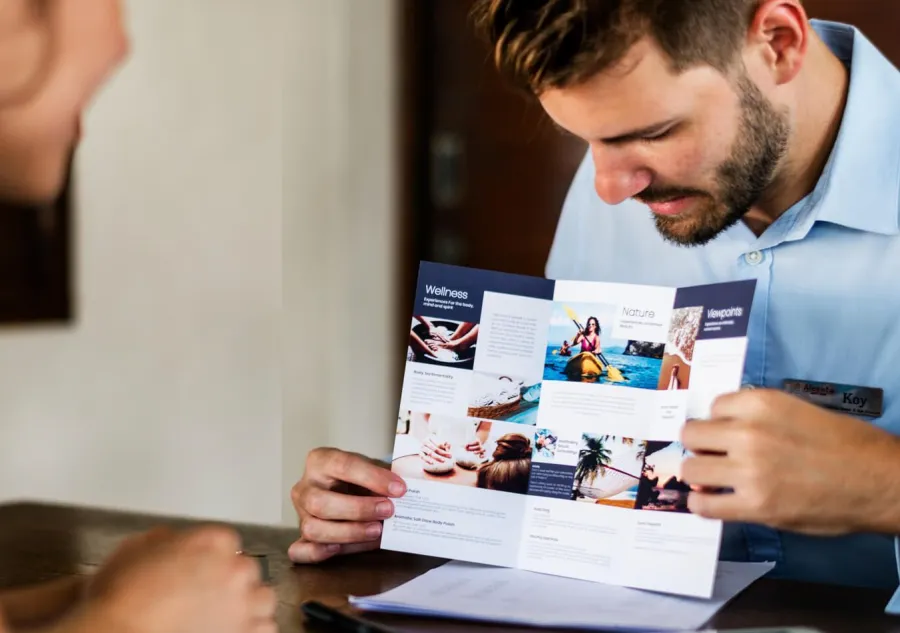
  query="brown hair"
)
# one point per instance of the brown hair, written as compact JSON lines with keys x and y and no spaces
{"x":558,"y":43}
{"x":510,"y":466}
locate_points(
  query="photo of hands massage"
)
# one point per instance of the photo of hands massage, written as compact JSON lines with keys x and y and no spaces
{"x":463,"y":451}
{"x":439,"y":341}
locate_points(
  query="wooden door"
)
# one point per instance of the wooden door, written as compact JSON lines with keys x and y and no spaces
{"x":877,"y":19}
{"x":487,"y":171}
{"x":35,"y":262}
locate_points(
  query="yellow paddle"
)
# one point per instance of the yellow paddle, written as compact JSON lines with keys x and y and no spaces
{"x":612,"y":373}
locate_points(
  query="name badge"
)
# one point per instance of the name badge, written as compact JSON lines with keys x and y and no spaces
{"x":850,"y":399}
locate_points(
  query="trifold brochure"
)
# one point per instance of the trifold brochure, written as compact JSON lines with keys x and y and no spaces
{"x":540,"y":420}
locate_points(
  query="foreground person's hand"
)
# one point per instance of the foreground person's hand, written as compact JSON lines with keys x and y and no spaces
{"x":341,"y":501}
{"x":192,"y":582}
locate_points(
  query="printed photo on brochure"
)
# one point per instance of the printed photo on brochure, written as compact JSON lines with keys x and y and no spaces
{"x":539,"y":424}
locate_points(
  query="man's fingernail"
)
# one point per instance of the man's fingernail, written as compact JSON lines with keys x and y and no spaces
{"x":396,"y":489}
{"x":373,"y":531}
{"x":384,"y":509}
{"x":333,"y":548}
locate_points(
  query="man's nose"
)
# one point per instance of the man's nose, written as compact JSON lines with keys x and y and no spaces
{"x":617,"y":179}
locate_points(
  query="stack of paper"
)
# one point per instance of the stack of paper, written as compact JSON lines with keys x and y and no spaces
{"x":470,"y":591}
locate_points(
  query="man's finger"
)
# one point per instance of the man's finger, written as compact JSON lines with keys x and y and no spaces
{"x":711,"y":436}
{"x":338,"y":466}
{"x":319,"y":531}
{"x":356,"y":548}
{"x":304,"y":552}
{"x":709,"y":472}
{"x":726,"y":507}
{"x":753,"y":404}
{"x":334,"y":506}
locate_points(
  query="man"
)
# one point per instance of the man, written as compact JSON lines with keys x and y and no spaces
{"x":54,"y":54}
{"x":728,"y":139}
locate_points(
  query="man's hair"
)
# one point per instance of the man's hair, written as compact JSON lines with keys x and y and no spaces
{"x":543,"y":44}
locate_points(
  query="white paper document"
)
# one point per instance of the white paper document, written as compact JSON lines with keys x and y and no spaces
{"x":469,"y":591}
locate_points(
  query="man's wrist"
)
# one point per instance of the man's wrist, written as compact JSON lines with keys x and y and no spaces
{"x":879,"y":511}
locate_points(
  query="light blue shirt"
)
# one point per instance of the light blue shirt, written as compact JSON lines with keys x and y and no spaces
{"x":827,"y":303}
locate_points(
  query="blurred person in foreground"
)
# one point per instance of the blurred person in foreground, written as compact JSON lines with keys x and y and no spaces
{"x":54,"y":56}
{"x":727,"y":139}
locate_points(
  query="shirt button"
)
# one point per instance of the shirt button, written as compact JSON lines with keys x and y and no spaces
{"x":753,"y":257}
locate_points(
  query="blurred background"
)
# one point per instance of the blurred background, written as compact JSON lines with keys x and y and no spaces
{"x":228,"y":281}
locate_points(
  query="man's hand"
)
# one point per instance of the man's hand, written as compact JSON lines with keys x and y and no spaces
{"x":192,"y":582}
{"x":792,"y":465}
{"x":333,"y":518}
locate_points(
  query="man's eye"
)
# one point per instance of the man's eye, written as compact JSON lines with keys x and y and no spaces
{"x":657,"y":135}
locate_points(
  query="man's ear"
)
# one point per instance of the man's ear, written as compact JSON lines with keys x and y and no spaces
{"x":779,"y":35}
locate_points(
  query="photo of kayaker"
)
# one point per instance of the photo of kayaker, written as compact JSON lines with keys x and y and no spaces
{"x":589,"y":337}
{"x":439,"y":341}
{"x":679,"y":350}
{"x":594,"y":354}
{"x":661,"y":487}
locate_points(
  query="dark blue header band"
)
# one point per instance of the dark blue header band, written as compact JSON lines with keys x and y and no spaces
{"x":726,"y":307}
{"x":455,"y":292}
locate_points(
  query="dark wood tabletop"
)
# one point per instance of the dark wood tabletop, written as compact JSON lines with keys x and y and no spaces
{"x":41,"y":542}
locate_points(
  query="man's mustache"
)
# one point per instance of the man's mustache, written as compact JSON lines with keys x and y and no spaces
{"x":665,"y":194}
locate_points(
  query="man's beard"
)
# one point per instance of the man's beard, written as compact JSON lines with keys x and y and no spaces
{"x":741,"y":180}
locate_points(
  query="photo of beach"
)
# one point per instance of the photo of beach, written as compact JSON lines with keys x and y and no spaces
{"x":679,"y":351}
{"x":463,"y":451}
{"x":580,"y":348}
{"x":440,"y":341}
{"x":661,"y":487}
{"x":608,"y":470}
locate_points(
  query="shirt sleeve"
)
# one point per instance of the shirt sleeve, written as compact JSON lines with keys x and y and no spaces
{"x":893,"y":606}
{"x":564,"y":260}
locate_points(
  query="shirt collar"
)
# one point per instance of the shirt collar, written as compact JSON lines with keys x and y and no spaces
{"x":860,"y":186}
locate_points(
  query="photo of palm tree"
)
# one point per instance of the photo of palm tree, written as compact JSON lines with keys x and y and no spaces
{"x":608,"y":470}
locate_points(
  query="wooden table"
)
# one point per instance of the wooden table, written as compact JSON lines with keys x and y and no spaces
{"x":40,"y":542}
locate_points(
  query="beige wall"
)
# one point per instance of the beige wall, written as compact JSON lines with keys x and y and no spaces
{"x":339,"y":227}
{"x":244,"y":155}
{"x":165,"y":395}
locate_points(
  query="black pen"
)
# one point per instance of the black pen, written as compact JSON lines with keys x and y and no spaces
{"x":325,"y":615}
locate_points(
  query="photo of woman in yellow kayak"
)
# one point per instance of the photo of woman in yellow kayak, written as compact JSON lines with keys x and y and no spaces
{"x":589,"y":337}
{"x":583,"y":350}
